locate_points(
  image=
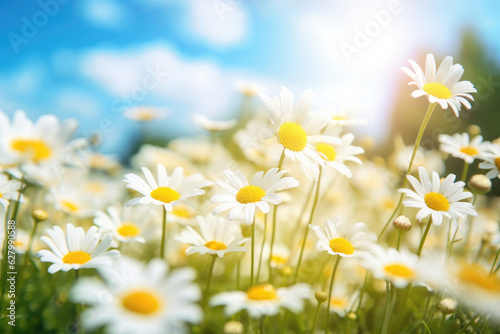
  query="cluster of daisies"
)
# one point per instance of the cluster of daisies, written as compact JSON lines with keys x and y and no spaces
{"x":213,"y":235}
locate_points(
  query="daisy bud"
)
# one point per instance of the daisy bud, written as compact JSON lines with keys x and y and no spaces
{"x":351,"y":316}
{"x":474,"y":130}
{"x":320,"y":296}
{"x":39,"y":215}
{"x":447,"y":305}
{"x":402,"y":224}
{"x":287,"y":271}
{"x":480,"y":183}
{"x":233,"y":327}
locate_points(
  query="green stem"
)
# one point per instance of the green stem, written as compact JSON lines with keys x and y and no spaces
{"x":301,"y":214}
{"x":471,"y":222}
{"x":494,"y":262}
{"x":315,"y":319}
{"x":209,"y":282}
{"x":465,"y":170}
{"x":424,"y":236}
{"x":275,"y":215}
{"x":163,"y":233}
{"x":253,"y":253}
{"x":443,"y":323}
{"x":238,"y":273}
{"x":332,"y":280}
{"x":427,"y":117}
{"x":400,"y":236}
{"x":311,"y":218}
{"x":262,"y":248}
{"x":363,"y":289}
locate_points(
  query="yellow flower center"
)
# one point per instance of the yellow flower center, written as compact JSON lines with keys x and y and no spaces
{"x":142,"y":301}
{"x":165,"y":194}
{"x":95,"y":188}
{"x":338,"y":302}
{"x":469,"y":150}
{"x":1,"y":195}
{"x":182,"y":211}
{"x":292,"y":136}
{"x":216,"y":245}
{"x":262,"y":292}
{"x":342,"y":246}
{"x":497,"y":162}
{"x":128,"y":230}
{"x":437,"y":90}
{"x":35,"y":147}
{"x":436,"y":201}
{"x":69,"y":205}
{"x":76,"y":257}
{"x":327,"y":150}
{"x":399,"y":270}
{"x":339,"y":118}
{"x":279,"y":260}
{"x":250,"y":194}
{"x":479,"y":277}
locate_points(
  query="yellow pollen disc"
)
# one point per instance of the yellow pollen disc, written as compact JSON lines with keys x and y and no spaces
{"x":292,"y":136}
{"x":69,"y":205}
{"x":339,"y":118}
{"x":128,"y":230}
{"x":479,"y":277}
{"x":469,"y":150}
{"x":143,"y":302}
{"x":327,"y":150}
{"x":278,"y":260}
{"x":19,"y":243}
{"x":35,"y":147}
{"x":338,"y":302}
{"x":437,"y":90}
{"x":342,"y":246}
{"x":165,"y":194}
{"x":94,"y":188}
{"x":437,"y":202}
{"x":1,"y":195}
{"x":216,"y":245}
{"x":399,"y":270}
{"x":250,"y":194}
{"x":497,"y":163}
{"x":76,"y":257}
{"x":182,"y":211}
{"x":262,"y":292}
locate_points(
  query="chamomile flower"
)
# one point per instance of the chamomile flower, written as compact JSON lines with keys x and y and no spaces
{"x":492,"y":161}
{"x":9,"y":190}
{"x":145,"y":114}
{"x":244,"y":197}
{"x":279,"y":257}
{"x":218,"y":236}
{"x":400,"y":268}
{"x":210,"y":125}
{"x":139,"y":298}
{"x":76,"y":249}
{"x":335,"y":156}
{"x":298,"y":129}
{"x":437,"y":199}
{"x":263,"y":299}
{"x":443,"y":86}
{"x":345,"y":116}
{"x":343,"y":239}
{"x":122,"y":225}
{"x":460,"y":146}
{"x":168,"y":191}
{"x":343,"y":299}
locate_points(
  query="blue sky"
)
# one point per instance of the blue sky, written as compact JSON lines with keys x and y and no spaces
{"x":82,"y":59}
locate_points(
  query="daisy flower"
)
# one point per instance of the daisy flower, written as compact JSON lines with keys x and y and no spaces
{"x":139,"y":298}
{"x":298,"y":129}
{"x":244,"y":197}
{"x":76,"y":249}
{"x":218,"y":236}
{"x":342,"y":239}
{"x":144,"y":114}
{"x":443,"y":86}
{"x":9,"y":190}
{"x":400,"y":268}
{"x":335,"y":156}
{"x":345,"y":116}
{"x":279,"y":257}
{"x":343,"y":299}
{"x":461,"y":147}
{"x":210,"y":125}
{"x":168,"y":191}
{"x":263,"y":299}
{"x":492,"y":161}
{"x":122,"y":225}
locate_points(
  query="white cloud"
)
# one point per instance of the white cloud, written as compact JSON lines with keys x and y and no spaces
{"x":105,"y":13}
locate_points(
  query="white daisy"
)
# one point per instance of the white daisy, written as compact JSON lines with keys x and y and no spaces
{"x":298,"y":129}
{"x":210,"y":125}
{"x":280,"y":256}
{"x":245,"y":197}
{"x":492,"y":161}
{"x":343,"y":299}
{"x":123,"y":225}
{"x":139,"y":298}
{"x":263,"y":299}
{"x":9,"y":190}
{"x":437,"y":199}
{"x":336,"y":155}
{"x":400,"y":268}
{"x":345,"y":116}
{"x":443,"y":86}
{"x":218,"y":236}
{"x":76,"y":249}
{"x":168,"y":191}
{"x":145,"y":114}
{"x":461,"y":147}
{"x":343,"y":239}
